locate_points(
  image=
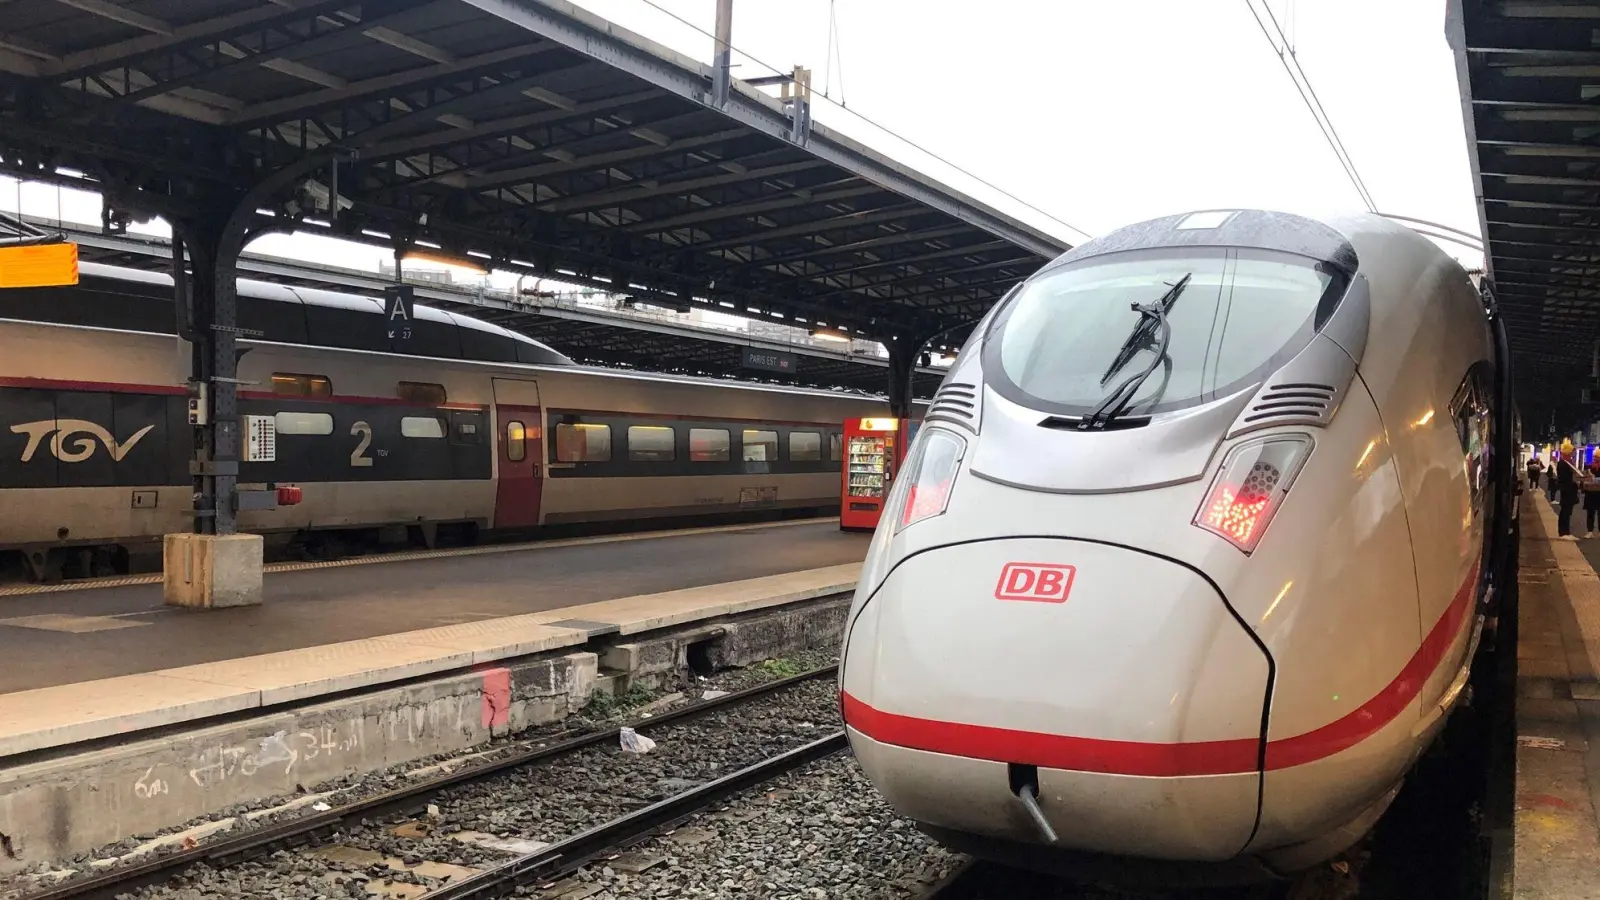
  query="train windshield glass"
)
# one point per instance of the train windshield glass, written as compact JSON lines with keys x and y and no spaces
{"x":1241,"y":314}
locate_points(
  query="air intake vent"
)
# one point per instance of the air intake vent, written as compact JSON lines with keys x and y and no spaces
{"x":1294,"y":401}
{"x":956,"y":403}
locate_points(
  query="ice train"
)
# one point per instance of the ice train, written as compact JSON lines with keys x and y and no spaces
{"x":1190,"y":561}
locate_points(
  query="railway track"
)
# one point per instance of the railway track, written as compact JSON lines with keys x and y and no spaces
{"x":400,"y":805}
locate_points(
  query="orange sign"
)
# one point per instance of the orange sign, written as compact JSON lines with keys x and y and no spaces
{"x":38,"y":265}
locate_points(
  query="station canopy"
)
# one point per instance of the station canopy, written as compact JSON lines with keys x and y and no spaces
{"x":1530,"y":81}
{"x":530,"y":136}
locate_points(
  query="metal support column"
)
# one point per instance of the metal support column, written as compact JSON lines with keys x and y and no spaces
{"x":902,"y":371}
{"x":210,"y":305}
{"x":214,"y":239}
{"x":722,"y":65}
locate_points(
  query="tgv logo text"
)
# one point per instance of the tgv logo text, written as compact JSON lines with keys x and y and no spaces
{"x":82,"y":447}
{"x":1039,"y":582}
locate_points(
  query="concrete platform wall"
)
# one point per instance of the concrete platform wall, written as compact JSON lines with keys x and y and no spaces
{"x":62,"y":807}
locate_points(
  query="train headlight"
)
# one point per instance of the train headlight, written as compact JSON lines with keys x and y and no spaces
{"x":929,"y":474}
{"x":1250,"y":487}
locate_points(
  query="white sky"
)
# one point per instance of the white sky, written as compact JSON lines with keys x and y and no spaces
{"x":1099,"y":113}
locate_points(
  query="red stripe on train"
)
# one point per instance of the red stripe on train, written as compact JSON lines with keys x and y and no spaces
{"x":1236,"y":756}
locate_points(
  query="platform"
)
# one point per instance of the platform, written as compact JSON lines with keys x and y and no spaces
{"x":61,"y":637}
{"x":380,"y":664}
{"x":1557,"y":834}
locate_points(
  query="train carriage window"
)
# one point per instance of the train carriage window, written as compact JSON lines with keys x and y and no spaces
{"x":516,"y":441}
{"x":759,"y":446}
{"x":805,"y":446}
{"x":421,"y":392}
{"x":583,"y":442}
{"x":288,"y":384}
{"x":835,"y":446}
{"x":421,"y":427}
{"x":708,"y":445}
{"x":303,"y":423}
{"x":652,"y":443}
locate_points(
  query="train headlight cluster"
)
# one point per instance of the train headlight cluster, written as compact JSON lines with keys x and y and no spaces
{"x":1250,"y":487}
{"x":929,"y":475}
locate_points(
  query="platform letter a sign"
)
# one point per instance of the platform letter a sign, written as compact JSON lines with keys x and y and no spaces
{"x":399,"y":311}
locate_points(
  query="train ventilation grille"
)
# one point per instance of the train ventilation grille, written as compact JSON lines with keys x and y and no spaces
{"x":1292,"y":401}
{"x":956,"y":403}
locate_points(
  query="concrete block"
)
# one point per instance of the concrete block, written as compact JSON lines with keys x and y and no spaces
{"x":207,"y":571}
{"x":75,"y":804}
{"x":780,"y":634}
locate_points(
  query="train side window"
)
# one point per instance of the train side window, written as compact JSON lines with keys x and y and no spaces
{"x":835,"y":446}
{"x":516,"y":441}
{"x":303,"y":423}
{"x":421,"y":392}
{"x":652,"y":443}
{"x":288,"y":384}
{"x":805,"y":446}
{"x":421,"y":427}
{"x":759,"y":446}
{"x":583,"y":442}
{"x":708,"y":445}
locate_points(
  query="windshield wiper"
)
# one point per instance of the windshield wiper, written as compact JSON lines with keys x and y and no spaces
{"x":1153,"y":315}
{"x":1141,"y":331}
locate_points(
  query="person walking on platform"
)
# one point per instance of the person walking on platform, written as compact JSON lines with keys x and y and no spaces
{"x":1567,"y":483}
{"x":1591,"y":498}
{"x":1535,"y":469}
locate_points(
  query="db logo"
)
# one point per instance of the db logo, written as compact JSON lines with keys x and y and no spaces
{"x":1040,"y":582}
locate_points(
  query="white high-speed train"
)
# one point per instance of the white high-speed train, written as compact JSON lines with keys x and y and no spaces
{"x":1191,"y":557}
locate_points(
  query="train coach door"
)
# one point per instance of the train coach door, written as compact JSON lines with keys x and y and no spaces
{"x":519,"y":453}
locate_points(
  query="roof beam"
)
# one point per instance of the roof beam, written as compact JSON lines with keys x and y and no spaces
{"x":87,"y":62}
{"x":495,"y":128}
{"x":528,"y":174}
{"x":317,"y":101}
{"x":590,"y":201}
{"x":120,"y":15}
{"x":850,"y":220}
{"x":719,"y":211}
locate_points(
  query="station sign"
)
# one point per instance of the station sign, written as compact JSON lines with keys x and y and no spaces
{"x":38,"y":265}
{"x":770,"y":360}
{"x":399,"y":311}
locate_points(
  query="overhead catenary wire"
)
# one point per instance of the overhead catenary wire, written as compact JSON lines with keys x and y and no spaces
{"x":1308,"y":95}
{"x":886,"y":130}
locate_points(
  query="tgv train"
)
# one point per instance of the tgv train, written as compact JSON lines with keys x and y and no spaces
{"x":465,"y":427}
{"x":1191,"y":557}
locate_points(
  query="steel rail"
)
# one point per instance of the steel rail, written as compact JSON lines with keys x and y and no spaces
{"x":567,"y":856}
{"x":407,"y":800}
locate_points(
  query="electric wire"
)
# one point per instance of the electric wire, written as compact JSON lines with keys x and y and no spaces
{"x":1328,"y":132}
{"x":896,"y":135}
{"x":1311,"y":89}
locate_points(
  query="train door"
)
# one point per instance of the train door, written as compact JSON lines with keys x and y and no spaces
{"x":519,"y":453}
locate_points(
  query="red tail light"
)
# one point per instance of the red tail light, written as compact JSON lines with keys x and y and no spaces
{"x":929,"y":474}
{"x":289,"y":496}
{"x":1250,"y":487}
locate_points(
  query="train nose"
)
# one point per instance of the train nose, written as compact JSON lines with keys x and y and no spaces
{"x":1119,"y":683}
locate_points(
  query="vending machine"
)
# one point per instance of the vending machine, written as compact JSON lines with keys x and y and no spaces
{"x":873,"y":450}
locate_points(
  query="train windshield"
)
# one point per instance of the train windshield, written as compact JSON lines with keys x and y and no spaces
{"x":1241,"y":315}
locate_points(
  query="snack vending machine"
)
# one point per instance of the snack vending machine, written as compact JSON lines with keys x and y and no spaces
{"x":873,"y":449}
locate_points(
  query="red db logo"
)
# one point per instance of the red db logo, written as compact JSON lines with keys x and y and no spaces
{"x":1039,"y":582}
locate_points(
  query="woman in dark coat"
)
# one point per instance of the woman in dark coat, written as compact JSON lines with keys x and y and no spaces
{"x":1567,"y":486}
